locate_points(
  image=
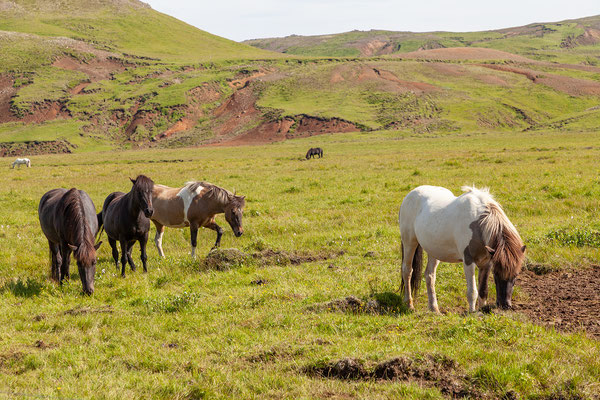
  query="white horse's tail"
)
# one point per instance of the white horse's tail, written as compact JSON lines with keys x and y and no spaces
{"x":417,"y":269}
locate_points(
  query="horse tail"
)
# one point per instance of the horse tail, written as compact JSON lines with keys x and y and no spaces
{"x":417,"y":269}
{"x":100,"y":224}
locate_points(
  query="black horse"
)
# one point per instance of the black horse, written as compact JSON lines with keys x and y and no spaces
{"x":314,"y":151}
{"x":126,"y":218}
{"x":68,"y":219}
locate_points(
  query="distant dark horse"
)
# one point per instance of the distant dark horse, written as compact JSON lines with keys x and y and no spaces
{"x":126,"y":219}
{"x":314,"y":151}
{"x":68,"y":219}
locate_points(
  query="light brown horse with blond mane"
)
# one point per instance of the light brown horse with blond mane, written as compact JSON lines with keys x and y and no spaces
{"x":195,"y":205}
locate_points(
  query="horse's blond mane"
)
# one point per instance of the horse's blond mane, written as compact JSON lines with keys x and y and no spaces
{"x":501,"y":235}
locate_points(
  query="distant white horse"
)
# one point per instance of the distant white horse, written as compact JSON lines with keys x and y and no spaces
{"x":21,"y":161}
{"x":471,"y":229}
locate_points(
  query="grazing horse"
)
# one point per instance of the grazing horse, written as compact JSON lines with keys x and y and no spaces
{"x":21,"y":161}
{"x":126,"y":219}
{"x":314,"y":151}
{"x":471,"y":229}
{"x":68,"y":219}
{"x":195,"y":205}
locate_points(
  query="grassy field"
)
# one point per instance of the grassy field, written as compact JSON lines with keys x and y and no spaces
{"x":187,"y":331}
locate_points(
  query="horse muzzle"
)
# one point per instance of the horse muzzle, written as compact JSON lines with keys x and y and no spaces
{"x":148,"y":212}
{"x":239,"y":233}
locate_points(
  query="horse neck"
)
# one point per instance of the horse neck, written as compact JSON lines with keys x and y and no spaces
{"x":133,"y":207}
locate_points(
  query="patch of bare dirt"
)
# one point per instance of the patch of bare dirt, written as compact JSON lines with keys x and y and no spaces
{"x":225,"y":259}
{"x":7,"y":91}
{"x":463,"y":53}
{"x":572,"y":86}
{"x":431,"y":370}
{"x":79,"y":310}
{"x":375,"y":47}
{"x":35,"y":147}
{"x":96,"y":69}
{"x":392,"y":83}
{"x":377,"y":303}
{"x":567,"y":301}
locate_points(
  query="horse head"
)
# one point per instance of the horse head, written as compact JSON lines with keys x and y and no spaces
{"x":233,"y":213}
{"x":142,"y":194}
{"x":85,"y":254}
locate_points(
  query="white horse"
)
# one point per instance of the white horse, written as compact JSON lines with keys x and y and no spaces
{"x":471,"y":229}
{"x":21,"y":161}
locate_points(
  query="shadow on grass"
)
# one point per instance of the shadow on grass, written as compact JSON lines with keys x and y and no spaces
{"x":23,"y":288}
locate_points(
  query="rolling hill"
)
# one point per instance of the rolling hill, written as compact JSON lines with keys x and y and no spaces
{"x":566,"y":41}
{"x":91,"y":75}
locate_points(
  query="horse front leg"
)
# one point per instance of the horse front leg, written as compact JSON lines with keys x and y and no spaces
{"x":471,"y":285}
{"x":143,"y":241}
{"x":160,"y":230}
{"x":124,"y":249}
{"x":129,"y":256}
{"x":213,"y":225}
{"x":56,"y":261}
{"x":65,"y":251}
{"x":432,"y":264}
{"x":484,"y":272}
{"x":194,"y":237}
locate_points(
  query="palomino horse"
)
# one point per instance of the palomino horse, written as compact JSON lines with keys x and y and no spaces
{"x":195,"y":205}
{"x":314,"y":151}
{"x":471,"y":229}
{"x":21,"y":161}
{"x":68,"y":219}
{"x":126,"y":219}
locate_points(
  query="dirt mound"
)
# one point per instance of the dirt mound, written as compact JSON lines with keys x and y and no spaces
{"x":224,"y":259}
{"x":430,"y":370}
{"x":568,"y":301}
{"x":377,"y":303}
{"x":7,"y":91}
{"x":392,"y":83}
{"x":96,"y":69}
{"x":12,"y":149}
{"x":464,"y":53}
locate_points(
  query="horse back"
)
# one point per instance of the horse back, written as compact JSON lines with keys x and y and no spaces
{"x":46,"y":213}
{"x":168,"y":206}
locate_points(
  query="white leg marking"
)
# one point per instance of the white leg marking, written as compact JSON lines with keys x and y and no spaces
{"x":432,"y":264}
{"x":158,"y":241}
{"x":471,"y":285}
{"x":193,"y":252}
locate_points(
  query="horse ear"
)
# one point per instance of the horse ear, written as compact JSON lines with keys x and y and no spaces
{"x":523,"y":249}
{"x":97,"y":245}
{"x":133,"y":180}
{"x":74,"y":248}
{"x":490,"y":250}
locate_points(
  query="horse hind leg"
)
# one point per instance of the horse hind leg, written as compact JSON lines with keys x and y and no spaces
{"x":432,"y":264}
{"x":115,"y":252}
{"x":409,"y":249}
{"x":56,"y":261}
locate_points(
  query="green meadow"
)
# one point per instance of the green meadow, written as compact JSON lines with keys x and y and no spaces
{"x":187,"y":330}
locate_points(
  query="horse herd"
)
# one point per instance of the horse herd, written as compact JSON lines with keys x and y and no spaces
{"x":471,"y":229}
{"x":68,"y":219}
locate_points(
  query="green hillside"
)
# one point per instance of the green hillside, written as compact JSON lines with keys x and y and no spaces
{"x":567,"y":41}
{"x":123,"y":26}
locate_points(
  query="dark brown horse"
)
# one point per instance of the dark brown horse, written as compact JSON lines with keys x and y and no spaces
{"x":195,"y":205}
{"x":68,"y":219}
{"x":126,"y":219}
{"x":314,"y":151}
